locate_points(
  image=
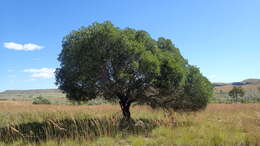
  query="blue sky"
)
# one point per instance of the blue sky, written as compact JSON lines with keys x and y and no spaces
{"x":219,"y":36}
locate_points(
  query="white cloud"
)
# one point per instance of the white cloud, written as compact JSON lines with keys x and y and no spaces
{"x":22,"y":47}
{"x":41,"y":73}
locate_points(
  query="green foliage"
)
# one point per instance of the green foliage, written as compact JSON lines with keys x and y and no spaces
{"x":236,"y":92}
{"x":197,"y":89}
{"x":40,"y":100}
{"x":128,"y":65}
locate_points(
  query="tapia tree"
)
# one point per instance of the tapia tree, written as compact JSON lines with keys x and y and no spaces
{"x":128,"y":65}
{"x":236,"y":92}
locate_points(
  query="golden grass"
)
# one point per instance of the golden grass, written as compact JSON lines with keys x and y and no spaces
{"x":20,"y":107}
{"x":218,"y":124}
{"x":233,"y":107}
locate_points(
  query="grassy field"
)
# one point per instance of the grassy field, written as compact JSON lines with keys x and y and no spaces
{"x":251,"y":88}
{"x":252,"y":93}
{"x":53,"y":95}
{"x":22,"y":123}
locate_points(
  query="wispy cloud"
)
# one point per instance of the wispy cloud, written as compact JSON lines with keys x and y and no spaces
{"x":22,"y":47}
{"x":41,"y":73}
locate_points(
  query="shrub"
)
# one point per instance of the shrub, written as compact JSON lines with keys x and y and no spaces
{"x":40,"y":100}
{"x":100,"y":100}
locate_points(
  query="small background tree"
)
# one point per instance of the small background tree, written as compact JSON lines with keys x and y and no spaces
{"x":236,"y":92}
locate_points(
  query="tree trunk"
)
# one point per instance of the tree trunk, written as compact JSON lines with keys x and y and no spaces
{"x":125,"y":107}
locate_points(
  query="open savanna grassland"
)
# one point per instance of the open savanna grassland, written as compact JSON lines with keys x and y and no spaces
{"x":53,"y":95}
{"x":252,"y":94}
{"x":22,"y":123}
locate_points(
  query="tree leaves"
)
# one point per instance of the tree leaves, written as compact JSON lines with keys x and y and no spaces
{"x":129,"y":65}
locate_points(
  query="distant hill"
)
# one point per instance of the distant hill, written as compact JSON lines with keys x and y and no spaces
{"x":251,"y":81}
{"x":219,"y":84}
{"x":250,"y":86}
{"x":33,"y":91}
{"x":241,"y":83}
{"x":54,"y":95}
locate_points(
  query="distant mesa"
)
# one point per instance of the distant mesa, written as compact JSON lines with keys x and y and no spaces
{"x":239,"y":83}
{"x":31,"y":91}
{"x":242,"y":83}
{"x":219,"y":84}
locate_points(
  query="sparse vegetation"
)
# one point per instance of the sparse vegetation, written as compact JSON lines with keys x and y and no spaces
{"x":25,"y":124}
{"x":53,"y":95}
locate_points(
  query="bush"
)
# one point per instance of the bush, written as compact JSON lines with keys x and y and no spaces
{"x":97,"y":101}
{"x":40,"y":100}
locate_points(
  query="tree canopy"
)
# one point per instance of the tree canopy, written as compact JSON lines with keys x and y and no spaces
{"x":131,"y":66}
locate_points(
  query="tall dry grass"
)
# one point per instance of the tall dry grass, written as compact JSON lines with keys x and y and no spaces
{"x":219,"y":124}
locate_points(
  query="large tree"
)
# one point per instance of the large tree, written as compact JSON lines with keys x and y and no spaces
{"x":128,"y":65}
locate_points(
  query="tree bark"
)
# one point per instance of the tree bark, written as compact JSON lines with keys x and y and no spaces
{"x":125,"y":107}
